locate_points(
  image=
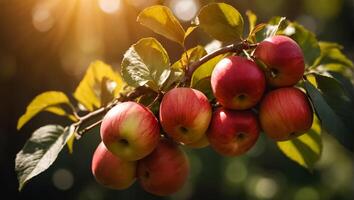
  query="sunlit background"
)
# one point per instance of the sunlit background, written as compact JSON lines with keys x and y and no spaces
{"x":48,"y":44}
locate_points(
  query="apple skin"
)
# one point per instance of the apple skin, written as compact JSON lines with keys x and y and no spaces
{"x":185,"y":114}
{"x":231,"y":132}
{"x":283,"y":58}
{"x":130,"y":131}
{"x":285,"y":113}
{"x":237,"y":83}
{"x":201,"y":143}
{"x":111,"y":171}
{"x":165,"y":170}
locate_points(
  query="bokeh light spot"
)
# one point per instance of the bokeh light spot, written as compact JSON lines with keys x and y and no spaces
{"x":266,"y":188}
{"x":184,"y":10}
{"x":236,"y":172}
{"x":63,"y":179}
{"x":42,"y":18}
{"x":307,"y":193}
{"x":109,"y":6}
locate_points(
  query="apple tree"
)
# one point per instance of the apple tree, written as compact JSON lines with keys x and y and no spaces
{"x":277,"y":80}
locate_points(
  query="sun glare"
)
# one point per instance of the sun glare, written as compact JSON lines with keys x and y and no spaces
{"x":109,"y":6}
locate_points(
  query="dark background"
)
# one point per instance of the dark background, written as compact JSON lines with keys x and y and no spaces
{"x":47,"y":45}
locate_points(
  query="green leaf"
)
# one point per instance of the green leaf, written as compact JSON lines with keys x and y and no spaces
{"x":161,"y":20}
{"x":205,"y":69}
{"x":176,"y":76}
{"x":306,"y":40}
{"x":273,"y":27}
{"x":89,"y":92}
{"x":190,"y":56}
{"x":146,"y":63}
{"x":329,"y":119}
{"x":337,"y":98}
{"x":221,"y":21}
{"x":204,"y":85}
{"x":47,"y":101}
{"x":40,"y":151}
{"x":305,"y":149}
{"x":331,"y":54}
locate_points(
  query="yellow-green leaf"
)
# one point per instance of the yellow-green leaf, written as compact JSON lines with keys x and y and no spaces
{"x":221,"y":21}
{"x":146,"y":63}
{"x":88,"y":93}
{"x":205,"y":69}
{"x":47,"y":101}
{"x":190,"y":56}
{"x":252,"y":20}
{"x":305,"y":149}
{"x":189,"y":31}
{"x":161,"y":20}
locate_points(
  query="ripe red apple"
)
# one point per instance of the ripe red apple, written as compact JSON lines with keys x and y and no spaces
{"x":285,"y":113}
{"x":237,"y":83}
{"x":130,"y":131}
{"x":232,"y":132}
{"x":111,"y":171}
{"x":185,"y":114}
{"x":165,"y":170}
{"x":283,"y":58}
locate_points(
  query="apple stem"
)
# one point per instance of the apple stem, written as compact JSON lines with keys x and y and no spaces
{"x":236,"y":48}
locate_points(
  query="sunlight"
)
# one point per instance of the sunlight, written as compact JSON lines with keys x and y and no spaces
{"x":109,"y":6}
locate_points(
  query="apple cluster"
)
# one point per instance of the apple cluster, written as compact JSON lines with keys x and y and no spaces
{"x":251,"y":98}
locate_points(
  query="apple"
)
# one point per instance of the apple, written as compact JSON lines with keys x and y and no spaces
{"x":185,"y":114}
{"x":232,"y":132}
{"x":201,"y":143}
{"x":237,"y":83}
{"x":130,"y":130}
{"x":165,"y":170}
{"x":111,"y":171}
{"x":285,"y":113}
{"x":284,"y":60}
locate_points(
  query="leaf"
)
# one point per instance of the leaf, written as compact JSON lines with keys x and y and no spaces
{"x":190,"y":56}
{"x":337,"y":98}
{"x":329,"y":119}
{"x":89,"y":92}
{"x":189,"y":31}
{"x":221,"y":21}
{"x":306,"y":40}
{"x":176,"y":76}
{"x":305,"y":149}
{"x":40,"y":151}
{"x":331,"y":54}
{"x":47,"y":101}
{"x":273,"y":27}
{"x":146,"y":63}
{"x":161,"y":20}
{"x":252,"y":19}
{"x":205,"y":69}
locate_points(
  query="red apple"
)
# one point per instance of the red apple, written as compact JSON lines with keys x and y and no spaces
{"x":285,"y":113}
{"x":111,"y":171}
{"x":185,"y":114}
{"x":165,"y":170}
{"x":130,"y":131}
{"x":283,"y":58}
{"x":237,"y":83}
{"x":232,"y":132}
